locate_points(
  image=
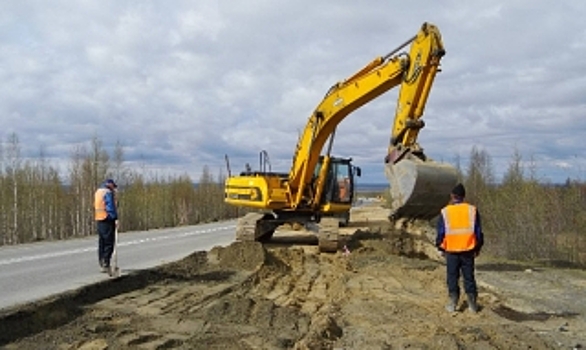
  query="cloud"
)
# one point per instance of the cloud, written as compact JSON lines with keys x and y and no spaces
{"x":182,"y":85}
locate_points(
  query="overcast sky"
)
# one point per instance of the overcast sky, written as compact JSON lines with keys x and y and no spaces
{"x":182,"y":83}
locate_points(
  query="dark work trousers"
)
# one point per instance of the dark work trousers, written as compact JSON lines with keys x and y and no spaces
{"x":106,"y":232}
{"x":464,"y":263}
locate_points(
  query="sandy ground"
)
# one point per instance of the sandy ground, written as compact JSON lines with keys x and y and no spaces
{"x":386,"y":290}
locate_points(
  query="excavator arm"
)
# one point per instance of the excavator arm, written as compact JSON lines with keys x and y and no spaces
{"x":424,"y":60}
{"x":414,"y":72}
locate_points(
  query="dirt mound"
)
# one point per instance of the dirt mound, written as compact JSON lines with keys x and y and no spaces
{"x":239,"y":256}
{"x":380,"y":293}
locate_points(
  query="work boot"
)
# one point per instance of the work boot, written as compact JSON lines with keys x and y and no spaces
{"x":472,"y":305}
{"x":103,"y":267}
{"x":453,"y":303}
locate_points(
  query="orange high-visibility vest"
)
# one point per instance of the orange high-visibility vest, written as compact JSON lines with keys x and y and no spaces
{"x":459,"y":222}
{"x":100,"y":204}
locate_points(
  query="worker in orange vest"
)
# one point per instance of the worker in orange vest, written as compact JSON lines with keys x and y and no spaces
{"x":106,"y":217}
{"x":460,"y":239}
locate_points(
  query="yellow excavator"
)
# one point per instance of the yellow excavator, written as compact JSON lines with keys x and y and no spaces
{"x":319,"y":187}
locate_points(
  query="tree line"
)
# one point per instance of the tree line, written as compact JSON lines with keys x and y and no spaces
{"x":37,"y":203}
{"x":523,"y":217}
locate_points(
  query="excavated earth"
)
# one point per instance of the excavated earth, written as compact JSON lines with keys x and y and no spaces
{"x":384,"y":290}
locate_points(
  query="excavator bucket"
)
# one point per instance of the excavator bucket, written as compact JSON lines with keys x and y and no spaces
{"x":419,"y":189}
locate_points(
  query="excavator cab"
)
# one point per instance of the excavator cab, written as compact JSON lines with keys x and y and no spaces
{"x":339,"y":185}
{"x":339,"y":188}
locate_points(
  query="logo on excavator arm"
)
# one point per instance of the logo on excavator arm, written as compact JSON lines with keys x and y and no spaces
{"x":338,"y":101}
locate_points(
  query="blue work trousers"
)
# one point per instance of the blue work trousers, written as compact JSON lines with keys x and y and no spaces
{"x":106,"y":235}
{"x":461,"y":263}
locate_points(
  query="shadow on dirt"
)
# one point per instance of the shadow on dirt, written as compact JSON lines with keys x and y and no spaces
{"x":535,"y":266}
{"x":288,"y":240}
{"x":502,"y":267}
{"x":517,"y":316}
{"x":561,"y":264}
{"x":367,"y":234}
{"x":53,"y":312}
{"x":369,"y":223}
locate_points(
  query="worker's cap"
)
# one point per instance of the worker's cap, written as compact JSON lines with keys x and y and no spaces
{"x":110,"y":182}
{"x":459,"y":191}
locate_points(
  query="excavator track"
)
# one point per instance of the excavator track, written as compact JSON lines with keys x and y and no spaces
{"x":328,"y":235}
{"x":260,"y":227}
{"x":255,"y":227}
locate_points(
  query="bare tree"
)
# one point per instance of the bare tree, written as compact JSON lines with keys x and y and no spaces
{"x":88,"y":170}
{"x":14,"y":164}
{"x":479,"y":176}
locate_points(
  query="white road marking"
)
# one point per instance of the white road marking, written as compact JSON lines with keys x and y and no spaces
{"x":120,"y":244}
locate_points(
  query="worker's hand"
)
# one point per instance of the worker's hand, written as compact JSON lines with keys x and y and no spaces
{"x":441,"y":253}
{"x":476,"y":253}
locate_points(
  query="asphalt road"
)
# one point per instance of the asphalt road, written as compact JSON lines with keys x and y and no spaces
{"x":30,"y":272}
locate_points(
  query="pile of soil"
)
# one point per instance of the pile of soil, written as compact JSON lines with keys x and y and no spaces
{"x":381,"y":292}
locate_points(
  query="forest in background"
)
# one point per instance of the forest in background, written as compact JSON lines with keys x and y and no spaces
{"x":523,"y":217}
{"x":38,"y":204}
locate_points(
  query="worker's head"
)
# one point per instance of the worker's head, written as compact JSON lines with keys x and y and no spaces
{"x":110,"y":184}
{"x":458,"y":192}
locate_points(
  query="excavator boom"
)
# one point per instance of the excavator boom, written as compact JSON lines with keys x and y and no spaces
{"x":342,"y":99}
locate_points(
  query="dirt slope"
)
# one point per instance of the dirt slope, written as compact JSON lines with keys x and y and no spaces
{"x":378,"y":294}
